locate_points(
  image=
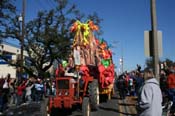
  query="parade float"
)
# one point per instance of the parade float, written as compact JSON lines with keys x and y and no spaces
{"x":87,"y":74}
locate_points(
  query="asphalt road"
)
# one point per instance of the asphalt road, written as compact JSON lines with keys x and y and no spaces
{"x":113,"y":107}
{"x":110,"y":108}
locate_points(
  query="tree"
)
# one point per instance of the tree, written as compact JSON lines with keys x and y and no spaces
{"x":9,"y":24}
{"x":7,"y":14}
{"x":48,"y":38}
{"x":166,"y":63}
{"x":169,"y":62}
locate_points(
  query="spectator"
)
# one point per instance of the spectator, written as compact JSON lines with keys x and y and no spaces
{"x":171,"y":83}
{"x":163,"y":81}
{"x":1,"y":95}
{"x":39,"y":87}
{"x":12,"y":93}
{"x":53,"y":88}
{"x":48,"y":87}
{"x":20,"y":90}
{"x":139,"y":80}
{"x":121,"y":85}
{"x":131,"y":83}
{"x":150,"y":97}
{"x":5,"y":91}
{"x":29,"y":92}
{"x":127,"y":82}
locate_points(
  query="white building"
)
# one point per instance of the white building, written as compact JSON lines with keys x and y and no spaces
{"x":13,"y":53}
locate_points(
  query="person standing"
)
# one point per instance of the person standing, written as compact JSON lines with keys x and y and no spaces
{"x":150,"y":96}
{"x":139,"y":80}
{"x":171,"y":85}
{"x":29,"y":92}
{"x":121,"y":85}
{"x":20,"y":88}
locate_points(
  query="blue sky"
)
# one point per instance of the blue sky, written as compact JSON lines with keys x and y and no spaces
{"x":124,"y":21}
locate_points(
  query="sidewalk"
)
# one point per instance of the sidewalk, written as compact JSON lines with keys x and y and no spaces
{"x":127,"y":107}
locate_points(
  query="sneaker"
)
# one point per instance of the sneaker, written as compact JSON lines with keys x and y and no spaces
{"x":1,"y":113}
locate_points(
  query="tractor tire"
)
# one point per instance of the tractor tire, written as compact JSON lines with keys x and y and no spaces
{"x":93,"y":90}
{"x":86,"y":107}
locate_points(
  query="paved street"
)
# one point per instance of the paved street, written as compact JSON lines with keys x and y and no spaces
{"x":32,"y":109}
{"x":117,"y":107}
{"x":114,"y":107}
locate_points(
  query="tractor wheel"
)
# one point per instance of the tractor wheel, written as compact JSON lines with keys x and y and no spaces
{"x":86,"y":108}
{"x":94,"y":94}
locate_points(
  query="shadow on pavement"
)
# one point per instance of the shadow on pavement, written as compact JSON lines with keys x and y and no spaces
{"x":116,"y":110}
{"x":25,"y":109}
{"x":67,"y":112}
{"x":116,"y":97}
{"x":124,"y":104}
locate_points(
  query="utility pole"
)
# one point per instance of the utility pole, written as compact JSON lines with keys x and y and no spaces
{"x":154,"y":38}
{"x":23,"y":34}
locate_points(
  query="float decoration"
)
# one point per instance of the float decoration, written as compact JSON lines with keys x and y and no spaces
{"x":83,"y":32}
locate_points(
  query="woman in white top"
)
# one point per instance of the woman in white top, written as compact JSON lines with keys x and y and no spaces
{"x":29,"y":92}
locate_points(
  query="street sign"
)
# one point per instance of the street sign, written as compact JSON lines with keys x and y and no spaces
{"x":148,"y":43}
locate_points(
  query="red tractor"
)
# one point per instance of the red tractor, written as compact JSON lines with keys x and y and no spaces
{"x":71,"y":91}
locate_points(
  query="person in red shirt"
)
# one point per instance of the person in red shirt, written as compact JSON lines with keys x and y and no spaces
{"x":171,"y":80}
{"x":20,"y":90}
{"x":171,"y":84}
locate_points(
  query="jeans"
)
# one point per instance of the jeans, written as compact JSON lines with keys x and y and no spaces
{"x":28,"y":98}
{"x":19,"y":99}
{"x":13,"y":99}
{"x":38,"y":96}
{"x":171,"y":94}
{"x":47,"y":92}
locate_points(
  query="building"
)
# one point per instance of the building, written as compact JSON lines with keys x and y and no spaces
{"x":11,"y":52}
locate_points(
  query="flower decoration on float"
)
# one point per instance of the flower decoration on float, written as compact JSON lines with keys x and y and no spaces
{"x":83,"y":32}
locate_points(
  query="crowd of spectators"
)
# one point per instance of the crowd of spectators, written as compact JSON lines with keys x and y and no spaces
{"x":129,"y":83}
{"x":132,"y":84}
{"x":17,"y":92}
{"x":132,"y":81}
